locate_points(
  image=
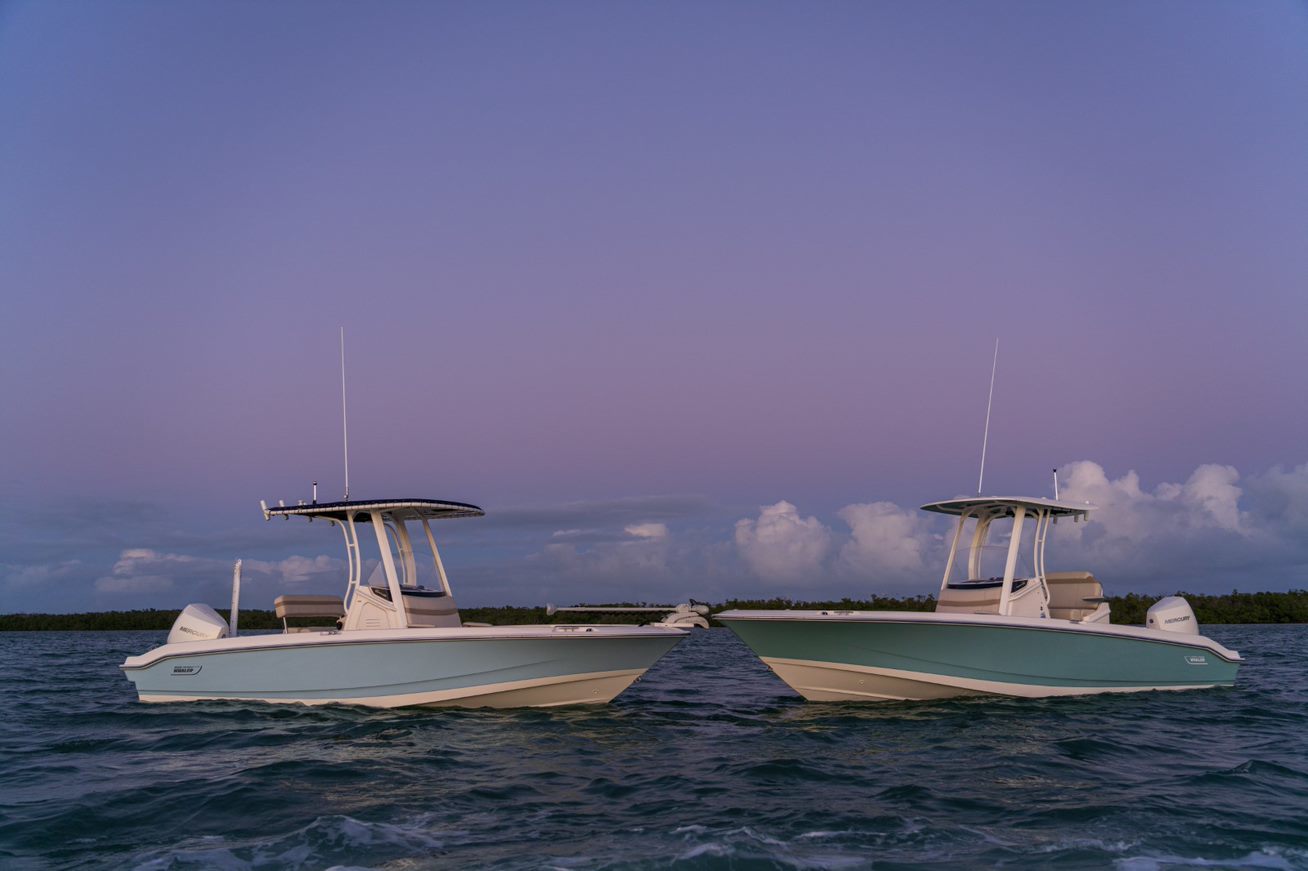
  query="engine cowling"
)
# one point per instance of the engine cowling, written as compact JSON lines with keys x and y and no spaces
{"x":197,"y":623}
{"x":1172,"y":614}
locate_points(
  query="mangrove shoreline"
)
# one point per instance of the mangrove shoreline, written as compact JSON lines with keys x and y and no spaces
{"x":1234,"y":607}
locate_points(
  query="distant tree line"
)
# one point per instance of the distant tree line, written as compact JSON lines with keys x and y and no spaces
{"x":149,"y":618}
{"x":1233,"y":607}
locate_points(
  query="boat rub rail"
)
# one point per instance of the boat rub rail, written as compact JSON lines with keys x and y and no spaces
{"x":224,"y":646}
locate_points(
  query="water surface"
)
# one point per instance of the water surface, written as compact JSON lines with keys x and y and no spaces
{"x":708,"y":762}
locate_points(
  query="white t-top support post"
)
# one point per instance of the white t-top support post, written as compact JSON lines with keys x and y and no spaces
{"x":388,"y":563}
{"x":354,"y":567}
{"x":953,"y":552}
{"x":1043,"y":519}
{"x":406,"y":552}
{"x":236,"y":598}
{"x":979,"y":535}
{"x":436,"y":555}
{"x":1014,"y":542}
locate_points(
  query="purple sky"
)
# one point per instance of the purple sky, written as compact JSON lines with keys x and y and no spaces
{"x":606,"y":267}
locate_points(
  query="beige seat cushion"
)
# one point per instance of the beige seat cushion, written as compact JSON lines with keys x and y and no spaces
{"x":309,"y":606}
{"x":431,"y":611}
{"x":983,"y":601}
{"x":1068,"y":592}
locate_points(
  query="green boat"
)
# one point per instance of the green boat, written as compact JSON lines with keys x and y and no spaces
{"x":394,"y":640}
{"x":1015,"y":630}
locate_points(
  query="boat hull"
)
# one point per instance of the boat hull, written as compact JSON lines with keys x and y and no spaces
{"x":893,"y":656}
{"x":533,"y":667}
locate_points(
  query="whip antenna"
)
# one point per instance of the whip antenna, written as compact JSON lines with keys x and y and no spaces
{"x":344,"y":417}
{"x":986,"y":436}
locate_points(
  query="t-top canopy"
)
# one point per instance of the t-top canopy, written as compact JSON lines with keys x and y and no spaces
{"x":400,"y":509}
{"x":1006,"y":506}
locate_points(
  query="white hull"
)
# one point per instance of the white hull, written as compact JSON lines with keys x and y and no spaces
{"x":900,"y":655}
{"x":501,"y":667}
{"x":839,"y":682}
{"x":576,"y":689}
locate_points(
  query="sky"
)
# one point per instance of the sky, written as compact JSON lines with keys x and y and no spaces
{"x":695,"y":299}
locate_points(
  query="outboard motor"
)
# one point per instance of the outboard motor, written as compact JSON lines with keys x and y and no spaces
{"x":1172,"y":614}
{"x":197,"y":623}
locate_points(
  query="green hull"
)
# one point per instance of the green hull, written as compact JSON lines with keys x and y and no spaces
{"x":932,"y":658}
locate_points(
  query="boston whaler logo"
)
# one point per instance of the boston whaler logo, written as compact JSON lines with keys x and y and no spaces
{"x":1199,"y":659}
{"x":186,"y":670}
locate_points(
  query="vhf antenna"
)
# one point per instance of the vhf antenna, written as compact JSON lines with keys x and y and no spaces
{"x":986,"y":437}
{"x":344,"y":417}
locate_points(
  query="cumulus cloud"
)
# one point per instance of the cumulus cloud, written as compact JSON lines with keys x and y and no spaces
{"x":141,"y":570}
{"x":782,"y":546}
{"x":144,"y":570}
{"x":1211,"y":493}
{"x":1206,"y":531}
{"x":884,"y":540}
{"x":1213,"y":530}
{"x":1209,"y":499}
{"x":648,"y":531}
{"x":1279,"y":500}
{"x":299,"y":569}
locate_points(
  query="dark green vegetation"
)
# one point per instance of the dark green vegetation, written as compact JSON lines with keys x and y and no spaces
{"x":252,"y":619}
{"x":1232,"y":607}
{"x":1290,"y":607}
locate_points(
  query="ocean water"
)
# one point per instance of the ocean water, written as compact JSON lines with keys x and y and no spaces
{"x":709,"y":762}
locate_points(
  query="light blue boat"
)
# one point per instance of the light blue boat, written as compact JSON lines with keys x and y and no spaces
{"x":1029,"y":634}
{"x":395,"y":640}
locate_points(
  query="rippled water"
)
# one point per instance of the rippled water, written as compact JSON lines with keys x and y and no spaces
{"x":710,"y":761}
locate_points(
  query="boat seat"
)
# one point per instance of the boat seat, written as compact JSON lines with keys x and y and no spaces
{"x":1073,"y":595}
{"x":309,"y":606}
{"x":432,"y":612}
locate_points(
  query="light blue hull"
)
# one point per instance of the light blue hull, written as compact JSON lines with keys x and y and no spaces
{"x":886,"y":655}
{"x":464,"y":667}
